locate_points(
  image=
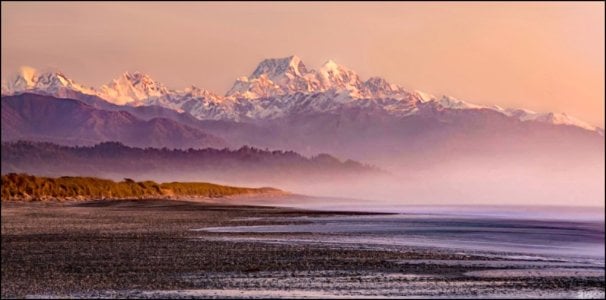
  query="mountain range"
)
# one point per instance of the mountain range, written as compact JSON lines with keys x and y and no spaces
{"x":277,"y":87}
{"x":286,"y":105}
{"x":471,"y":152}
{"x":41,"y":118}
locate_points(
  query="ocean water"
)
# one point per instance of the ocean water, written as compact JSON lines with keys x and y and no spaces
{"x":567,"y":234}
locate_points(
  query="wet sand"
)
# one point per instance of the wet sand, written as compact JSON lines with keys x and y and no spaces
{"x":149,"y":249}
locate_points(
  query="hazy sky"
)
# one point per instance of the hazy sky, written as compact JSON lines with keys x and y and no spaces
{"x":541,"y":56}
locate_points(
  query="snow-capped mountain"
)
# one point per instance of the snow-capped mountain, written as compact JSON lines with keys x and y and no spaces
{"x":427,"y":141}
{"x":274,"y":77}
{"x":133,"y":89}
{"x":549,"y":118}
{"x":277,"y":88}
{"x":52,"y":83}
{"x":284,"y":76}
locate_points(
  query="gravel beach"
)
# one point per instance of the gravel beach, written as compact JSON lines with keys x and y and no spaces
{"x":149,"y":249}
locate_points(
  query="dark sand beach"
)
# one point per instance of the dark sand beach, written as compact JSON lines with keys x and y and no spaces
{"x":159,"y":248}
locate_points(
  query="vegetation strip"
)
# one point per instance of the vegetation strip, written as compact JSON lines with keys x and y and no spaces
{"x":27,"y":187}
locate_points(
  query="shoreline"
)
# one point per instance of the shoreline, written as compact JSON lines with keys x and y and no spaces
{"x":146,"y":249}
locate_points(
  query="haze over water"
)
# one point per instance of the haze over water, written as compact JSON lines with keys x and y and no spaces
{"x":561,"y":233}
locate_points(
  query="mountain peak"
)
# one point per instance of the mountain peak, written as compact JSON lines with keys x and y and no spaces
{"x":137,"y":77}
{"x":330,"y":65}
{"x":273,"y":76}
{"x":294,"y":60}
{"x":53,"y":82}
{"x":195,"y":91}
{"x":333,"y":75}
{"x":28,"y":73}
{"x":129,"y":74}
{"x":378,"y":86}
{"x":288,"y":75}
{"x":275,"y":67}
{"x":132,"y":87}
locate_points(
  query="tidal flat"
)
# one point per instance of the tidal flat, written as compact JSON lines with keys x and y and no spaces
{"x":184,"y":249}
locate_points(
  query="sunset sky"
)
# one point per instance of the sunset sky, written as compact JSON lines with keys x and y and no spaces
{"x":540,"y":56}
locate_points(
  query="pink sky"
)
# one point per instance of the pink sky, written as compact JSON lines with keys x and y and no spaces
{"x":540,"y":56}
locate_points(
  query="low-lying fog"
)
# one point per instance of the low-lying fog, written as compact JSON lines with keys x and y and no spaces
{"x":459,"y":182}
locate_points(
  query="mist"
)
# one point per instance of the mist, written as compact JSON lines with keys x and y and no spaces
{"x":577,"y":181}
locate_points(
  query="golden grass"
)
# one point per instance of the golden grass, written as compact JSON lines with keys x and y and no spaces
{"x":27,"y":187}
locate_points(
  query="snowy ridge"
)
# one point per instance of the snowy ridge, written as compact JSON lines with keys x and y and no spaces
{"x":132,"y":88}
{"x":277,"y":87}
{"x":550,"y":118}
{"x":55,"y":83}
{"x":289,"y":75}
